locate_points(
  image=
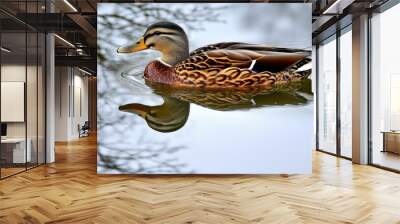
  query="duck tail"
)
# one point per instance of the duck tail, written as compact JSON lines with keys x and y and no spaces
{"x":300,"y":64}
{"x":303,"y":68}
{"x":304,"y":74}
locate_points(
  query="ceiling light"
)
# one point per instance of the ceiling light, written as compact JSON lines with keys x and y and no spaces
{"x":5,"y":50}
{"x":84,"y":71}
{"x":65,"y":41}
{"x":79,"y":51}
{"x":338,"y":6}
{"x":70,"y":5}
{"x":331,"y":7}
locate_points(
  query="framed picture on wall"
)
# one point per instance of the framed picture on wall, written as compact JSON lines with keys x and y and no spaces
{"x":204,"y":88}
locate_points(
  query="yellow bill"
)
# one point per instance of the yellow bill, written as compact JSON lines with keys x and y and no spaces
{"x":138,"y":46}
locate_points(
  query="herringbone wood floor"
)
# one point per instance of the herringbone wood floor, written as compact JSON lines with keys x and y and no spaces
{"x":70,"y":191}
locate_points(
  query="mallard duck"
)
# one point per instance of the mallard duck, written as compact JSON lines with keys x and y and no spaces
{"x":221,"y":65}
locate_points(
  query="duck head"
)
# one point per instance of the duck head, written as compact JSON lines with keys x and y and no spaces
{"x":166,"y":37}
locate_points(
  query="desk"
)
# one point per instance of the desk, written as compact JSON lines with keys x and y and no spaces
{"x":17,"y":150}
{"x":391,"y":141}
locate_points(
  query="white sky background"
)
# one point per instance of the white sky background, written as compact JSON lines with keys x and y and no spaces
{"x":283,"y":25}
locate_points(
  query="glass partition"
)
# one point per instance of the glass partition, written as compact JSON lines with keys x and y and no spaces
{"x":327,"y":95}
{"x":23,"y":90}
{"x":14,"y":155}
{"x":346,"y":92}
{"x":385,"y":89}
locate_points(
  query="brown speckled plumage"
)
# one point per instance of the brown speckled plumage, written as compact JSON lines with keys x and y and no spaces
{"x":227,"y":65}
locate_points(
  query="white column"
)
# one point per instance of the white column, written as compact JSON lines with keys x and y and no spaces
{"x":360,"y":90}
{"x":50,"y":92}
{"x":50,"y":99}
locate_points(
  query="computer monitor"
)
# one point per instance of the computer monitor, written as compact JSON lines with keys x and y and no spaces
{"x":3,"y":129}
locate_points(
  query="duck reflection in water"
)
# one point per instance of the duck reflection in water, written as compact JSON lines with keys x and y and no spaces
{"x":167,"y":117}
{"x":174,"y":112}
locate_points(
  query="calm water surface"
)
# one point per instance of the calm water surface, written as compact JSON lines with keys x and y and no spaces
{"x":155,"y":129}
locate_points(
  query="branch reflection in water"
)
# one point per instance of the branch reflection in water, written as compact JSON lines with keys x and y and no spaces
{"x":117,"y":151}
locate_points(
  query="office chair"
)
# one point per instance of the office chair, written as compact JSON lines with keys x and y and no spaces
{"x":84,"y":130}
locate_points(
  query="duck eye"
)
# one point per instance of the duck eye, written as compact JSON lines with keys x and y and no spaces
{"x":157,"y":33}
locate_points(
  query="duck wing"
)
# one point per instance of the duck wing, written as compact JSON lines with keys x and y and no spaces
{"x":237,"y":64}
{"x":246,"y":46}
{"x":211,"y":47}
{"x":263,"y":57}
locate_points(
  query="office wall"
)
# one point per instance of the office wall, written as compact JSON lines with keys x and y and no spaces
{"x":15,"y":72}
{"x":71,"y":102}
{"x":61,"y":103}
{"x":82,"y":82}
{"x":80,"y":102}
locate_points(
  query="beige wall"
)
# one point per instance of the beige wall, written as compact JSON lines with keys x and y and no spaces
{"x":71,"y":102}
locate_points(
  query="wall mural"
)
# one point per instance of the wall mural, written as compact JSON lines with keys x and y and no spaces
{"x":204,"y":88}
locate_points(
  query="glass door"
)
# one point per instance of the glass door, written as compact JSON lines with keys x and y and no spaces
{"x":327,"y":95}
